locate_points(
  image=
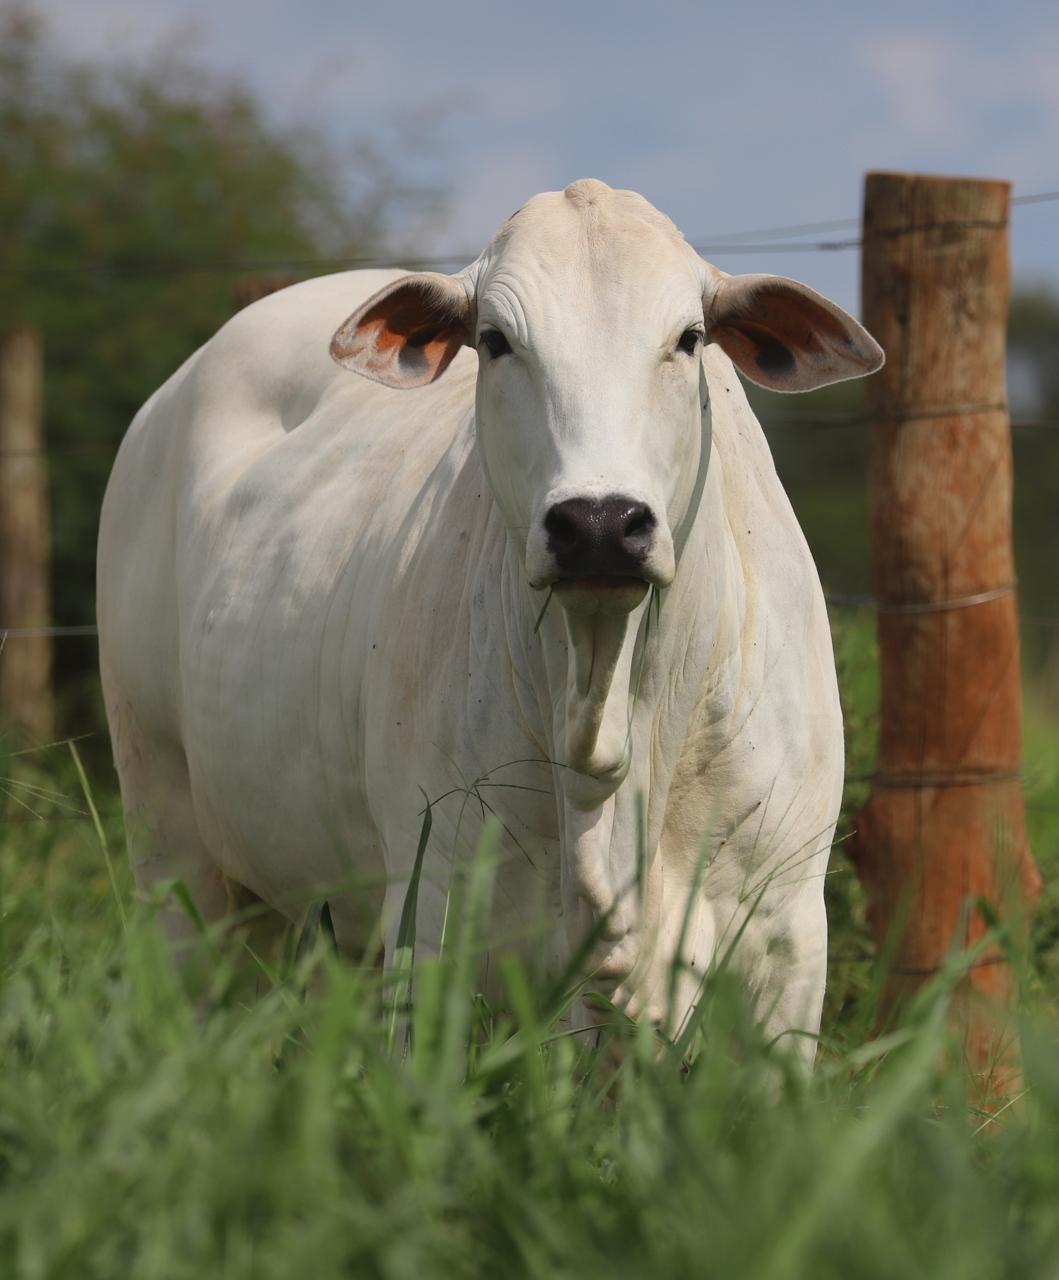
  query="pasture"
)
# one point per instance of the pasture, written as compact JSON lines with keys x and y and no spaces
{"x":231,"y":1112}
{"x":257,"y":1120}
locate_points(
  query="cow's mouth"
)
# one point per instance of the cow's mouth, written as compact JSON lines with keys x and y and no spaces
{"x":607,"y":582}
{"x":610,"y":593}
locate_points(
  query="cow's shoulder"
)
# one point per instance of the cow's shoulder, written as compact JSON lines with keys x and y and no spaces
{"x":276,"y":350}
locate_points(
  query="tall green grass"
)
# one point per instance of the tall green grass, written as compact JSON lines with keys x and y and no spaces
{"x":341,"y":1123}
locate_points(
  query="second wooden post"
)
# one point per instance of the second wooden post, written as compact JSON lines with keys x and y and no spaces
{"x":25,"y":540}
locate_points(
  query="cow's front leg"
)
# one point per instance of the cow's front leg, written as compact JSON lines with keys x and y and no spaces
{"x":776,"y":949}
{"x":783,"y":960}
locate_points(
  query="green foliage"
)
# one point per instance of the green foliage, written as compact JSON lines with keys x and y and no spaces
{"x":1041,"y":767}
{"x":112,"y":177}
{"x":1033,"y":337}
{"x":159,"y":1124}
{"x":851,"y":954}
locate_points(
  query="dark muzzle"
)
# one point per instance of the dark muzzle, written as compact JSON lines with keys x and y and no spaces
{"x":600,"y":538}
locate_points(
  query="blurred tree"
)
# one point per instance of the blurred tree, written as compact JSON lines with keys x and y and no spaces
{"x":130,"y":194}
{"x":1033,"y":342}
{"x":1033,"y":351}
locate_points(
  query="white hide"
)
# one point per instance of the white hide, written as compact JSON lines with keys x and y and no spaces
{"x":315,"y":605}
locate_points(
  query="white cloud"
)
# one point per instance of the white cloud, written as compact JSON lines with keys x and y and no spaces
{"x":972,"y":102}
{"x":491,"y":186}
{"x":917,"y":71}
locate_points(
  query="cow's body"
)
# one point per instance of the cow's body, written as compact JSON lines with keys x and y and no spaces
{"x":312,"y":613}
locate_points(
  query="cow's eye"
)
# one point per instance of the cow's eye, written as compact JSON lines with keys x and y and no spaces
{"x":689,"y":341}
{"x":495,"y":343}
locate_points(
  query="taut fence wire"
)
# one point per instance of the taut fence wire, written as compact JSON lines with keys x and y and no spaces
{"x":759,"y":240}
{"x":732,"y":242}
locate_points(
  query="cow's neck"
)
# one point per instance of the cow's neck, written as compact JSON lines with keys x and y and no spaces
{"x":613,"y":698}
{"x":586,"y":672}
{"x":607,"y":773}
{"x":599,"y":691}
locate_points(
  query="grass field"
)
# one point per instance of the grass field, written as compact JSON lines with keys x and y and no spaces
{"x":155,"y":1127}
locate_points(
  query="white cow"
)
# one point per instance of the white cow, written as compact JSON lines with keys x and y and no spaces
{"x":319,"y":598}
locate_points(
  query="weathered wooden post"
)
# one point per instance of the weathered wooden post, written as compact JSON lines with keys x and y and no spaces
{"x":25,"y":538}
{"x":944,"y":826}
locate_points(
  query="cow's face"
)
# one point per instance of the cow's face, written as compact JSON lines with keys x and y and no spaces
{"x":589,"y":328}
{"x":589,"y":313}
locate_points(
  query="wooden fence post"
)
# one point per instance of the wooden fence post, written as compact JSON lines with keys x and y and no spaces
{"x":25,"y":538}
{"x":944,"y":826}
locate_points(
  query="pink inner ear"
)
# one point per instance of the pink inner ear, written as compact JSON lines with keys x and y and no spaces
{"x":782,"y":335}
{"x":788,"y":319}
{"x":368,"y":335}
{"x":754,"y":346}
{"x":406,"y":337}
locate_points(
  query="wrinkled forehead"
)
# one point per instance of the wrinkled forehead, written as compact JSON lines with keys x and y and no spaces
{"x":589,"y":245}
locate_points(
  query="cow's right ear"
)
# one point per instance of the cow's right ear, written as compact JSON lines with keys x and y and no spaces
{"x":406,"y":334}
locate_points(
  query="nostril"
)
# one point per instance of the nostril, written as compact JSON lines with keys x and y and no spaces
{"x":562,"y":531}
{"x":639,"y":525}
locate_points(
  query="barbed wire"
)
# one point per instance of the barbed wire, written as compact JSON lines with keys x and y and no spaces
{"x":835,"y":600}
{"x":838,"y":224}
{"x":725,"y":243}
{"x":839,"y":420}
{"x":865,"y":600}
{"x":733,"y":242}
{"x":1031,"y":785}
{"x":54,"y":633}
{"x":843,"y":421}
{"x":115,"y":271}
{"x":811,"y":419}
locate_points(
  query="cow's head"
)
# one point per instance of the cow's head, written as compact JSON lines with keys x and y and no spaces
{"x":589,"y":313}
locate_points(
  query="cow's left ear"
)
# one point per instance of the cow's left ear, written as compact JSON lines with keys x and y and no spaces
{"x":785,"y":336}
{"x":406,"y":334}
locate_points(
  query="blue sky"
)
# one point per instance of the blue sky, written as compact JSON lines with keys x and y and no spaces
{"x":728,"y":117}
